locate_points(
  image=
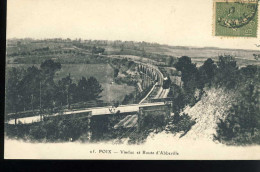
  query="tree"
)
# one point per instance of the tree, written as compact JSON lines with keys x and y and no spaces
{"x":101,"y":50}
{"x":189,"y":76}
{"x":66,"y":91}
{"x":256,"y":56}
{"x":249,"y":101}
{"x":183,"y":63}
{"x":248,"y":71}
{"x":143,"y":52}
{"x":128,"y":98}
{"x":207,"y":72}
{"x":82,"y":90}
{"x":30,"y":88}
{"x":95,"y":88}
{"x":121,"y":48}
{"x":178,"y":101}
{"x":227,"y":71}
{"x":49,"y":68}
{"x":170,"y":61}
{"x":88,"y":89}
{"x":187,"y":68}
{"x":48,"y":95}
{"x":13,"y":94}
{"x":94,"y":49}
{"x":116,"y":71}
{"x":243,"y":120}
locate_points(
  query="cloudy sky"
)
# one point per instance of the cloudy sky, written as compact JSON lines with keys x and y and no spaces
{"x":173,"y":22}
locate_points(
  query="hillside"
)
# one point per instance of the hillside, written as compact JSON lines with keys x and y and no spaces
{"x":207,"y":112}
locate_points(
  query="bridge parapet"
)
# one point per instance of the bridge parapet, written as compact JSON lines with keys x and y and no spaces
{"x":153,"y":116}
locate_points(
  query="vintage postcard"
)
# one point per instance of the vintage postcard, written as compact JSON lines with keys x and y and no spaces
{"x":131,"y":79}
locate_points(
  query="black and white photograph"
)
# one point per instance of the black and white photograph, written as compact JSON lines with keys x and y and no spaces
{"x":121,"y":79}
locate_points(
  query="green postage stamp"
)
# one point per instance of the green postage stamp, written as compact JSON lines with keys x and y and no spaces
{"x":235,"y":18}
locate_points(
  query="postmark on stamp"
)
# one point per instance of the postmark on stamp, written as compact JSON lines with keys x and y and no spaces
{"x":235,"y":18}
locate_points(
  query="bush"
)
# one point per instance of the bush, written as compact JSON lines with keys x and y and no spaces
{"x":227,"y":72}
{"x":179,"y":123}
{"x":138,"y":138}
{"x":61,"y":128}
{"x":232,"y":134}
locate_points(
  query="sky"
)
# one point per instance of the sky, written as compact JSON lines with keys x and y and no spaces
{"x":173,"y":22}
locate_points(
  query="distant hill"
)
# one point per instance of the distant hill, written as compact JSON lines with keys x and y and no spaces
{"x":151,"y":50}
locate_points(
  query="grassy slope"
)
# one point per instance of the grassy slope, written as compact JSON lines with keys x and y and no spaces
{"x":207,"y":112}
{"x":104,"y":74}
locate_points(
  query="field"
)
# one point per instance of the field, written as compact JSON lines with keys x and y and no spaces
{"x":241,"y":61}
{"x":102,"y":72}
{"x":197,"y":54}
{"x":71,"y":52}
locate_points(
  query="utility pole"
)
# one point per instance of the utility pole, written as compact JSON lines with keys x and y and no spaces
{"x":40,"y":100}
{"x":68,"y":97}
{"x":32,"y":102}
{"x":68,"y":101}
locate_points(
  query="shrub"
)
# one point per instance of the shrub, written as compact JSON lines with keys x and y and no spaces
{"x":179,"y":123}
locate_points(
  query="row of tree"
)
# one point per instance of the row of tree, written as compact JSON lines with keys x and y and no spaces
{"x":224,"y":73}
{"x":35,"y":89}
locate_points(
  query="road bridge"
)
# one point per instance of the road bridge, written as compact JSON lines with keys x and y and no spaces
{"x":96,"y":111}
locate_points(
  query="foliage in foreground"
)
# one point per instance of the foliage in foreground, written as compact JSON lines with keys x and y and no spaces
{"x":176,"y":124}
{"x":35,"y":89}
{"x":50,"y":130}
{"x":242,"y":124}
{"x":180,"y":123}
